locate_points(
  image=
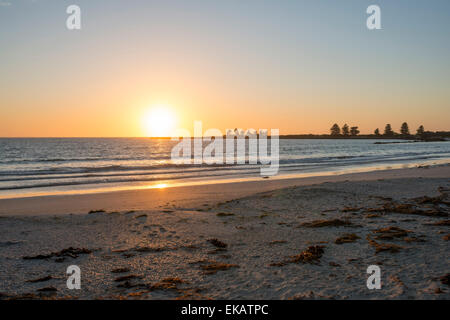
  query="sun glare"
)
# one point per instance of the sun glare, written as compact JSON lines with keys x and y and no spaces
{"x":159,"y":122}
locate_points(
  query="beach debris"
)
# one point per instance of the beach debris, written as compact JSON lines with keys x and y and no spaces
{"x":213,"y":267}
{"x":277,"y":242}
{"x":47,"y":289}
{"x":347,"y":238}
{"x":129,"y":285}
{"x":408,"y":208}
{"x":69,"y":252}
{"x":224,"y":214}
{"x":97,"y":211}
{"x":433,"y":200}
{"x":351,"y":209}
{"x":127,"y":278}
{"x":120,"y":270}
{"x":390,"y":233}
{"x":149,"y":249}
{"x":167,"y":283}
{"x":190,"y":246}
{"x":373,"y":215}
{"x":43,"y":279}
{"x":413,"y":239}
{"x":326,"y":223}
{"x":137,"y":294}
{"x":398,"y":283}
{"x":383,"y":198}
{"x":380,"y":247}
{"x":311,"y":255}
{"x":217,"y":250}
{"x":217,"y":243}
{"x":334,"y":264}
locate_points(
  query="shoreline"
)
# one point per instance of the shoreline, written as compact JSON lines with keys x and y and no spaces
{"x":192,"y":195}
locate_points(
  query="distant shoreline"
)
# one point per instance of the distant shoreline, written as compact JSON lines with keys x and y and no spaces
{"x":428,"y":136}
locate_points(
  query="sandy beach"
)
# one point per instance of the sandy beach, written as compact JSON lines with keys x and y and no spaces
{"x":310,"y":238}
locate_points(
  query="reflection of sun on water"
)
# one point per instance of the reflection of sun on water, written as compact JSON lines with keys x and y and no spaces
{"x":159,"y":122}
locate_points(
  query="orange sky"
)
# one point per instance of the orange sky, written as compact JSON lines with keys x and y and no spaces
{"x":273,"y":67}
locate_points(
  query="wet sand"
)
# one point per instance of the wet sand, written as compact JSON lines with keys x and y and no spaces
{"x":190,"y":196}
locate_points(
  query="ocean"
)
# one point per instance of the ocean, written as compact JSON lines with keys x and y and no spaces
{"x":35,"y":166}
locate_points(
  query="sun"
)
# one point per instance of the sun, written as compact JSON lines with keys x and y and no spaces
{"x":159,"y":121}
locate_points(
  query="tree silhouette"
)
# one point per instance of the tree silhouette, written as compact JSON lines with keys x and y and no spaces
{"x":388,"y":130}
{"x":335,"y":130}
{"x":420,"y":130}
{"x":345,"y":130}
{"x":377,"y":132}
{"x":354,"y":131}
{"x":404,"y":129}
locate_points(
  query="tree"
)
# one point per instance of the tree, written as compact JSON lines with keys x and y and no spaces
{"x":335,"y":130}
{"x":420,"y":130}
{"x":377,"y":132}
{"x":404,"y":129}
{"x":388,"y":130}
{"x":345,"y":130}
{"x":354,"y":131}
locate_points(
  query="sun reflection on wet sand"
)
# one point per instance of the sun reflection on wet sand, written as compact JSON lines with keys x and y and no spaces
{"x":159,"y":186}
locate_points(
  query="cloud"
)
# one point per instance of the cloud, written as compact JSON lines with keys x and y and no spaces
{"x":4,"y":4}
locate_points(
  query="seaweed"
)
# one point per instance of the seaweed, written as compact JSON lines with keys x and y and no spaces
{"x":224,"y":214}
{"x":212,"y":268}
{"x":69,"y":252}
{"x":347,"y":238}
{"x":381,"y":247}
{"x":326,"y":223}
{"x":310,"y":255}
{"x":217,"y":243}
{"x":390,"y":233}
{"x":120,"y":270}
{"x":43,"y":279}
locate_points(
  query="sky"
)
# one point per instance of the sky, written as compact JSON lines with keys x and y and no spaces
{"x":298,"y":66}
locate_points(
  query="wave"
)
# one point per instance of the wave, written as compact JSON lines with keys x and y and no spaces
{"x":113,"y":170}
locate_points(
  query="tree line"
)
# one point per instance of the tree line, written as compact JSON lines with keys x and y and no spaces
{"x":388,"y":131}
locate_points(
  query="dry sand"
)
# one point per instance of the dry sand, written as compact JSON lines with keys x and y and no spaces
{"x":273,"y":239}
